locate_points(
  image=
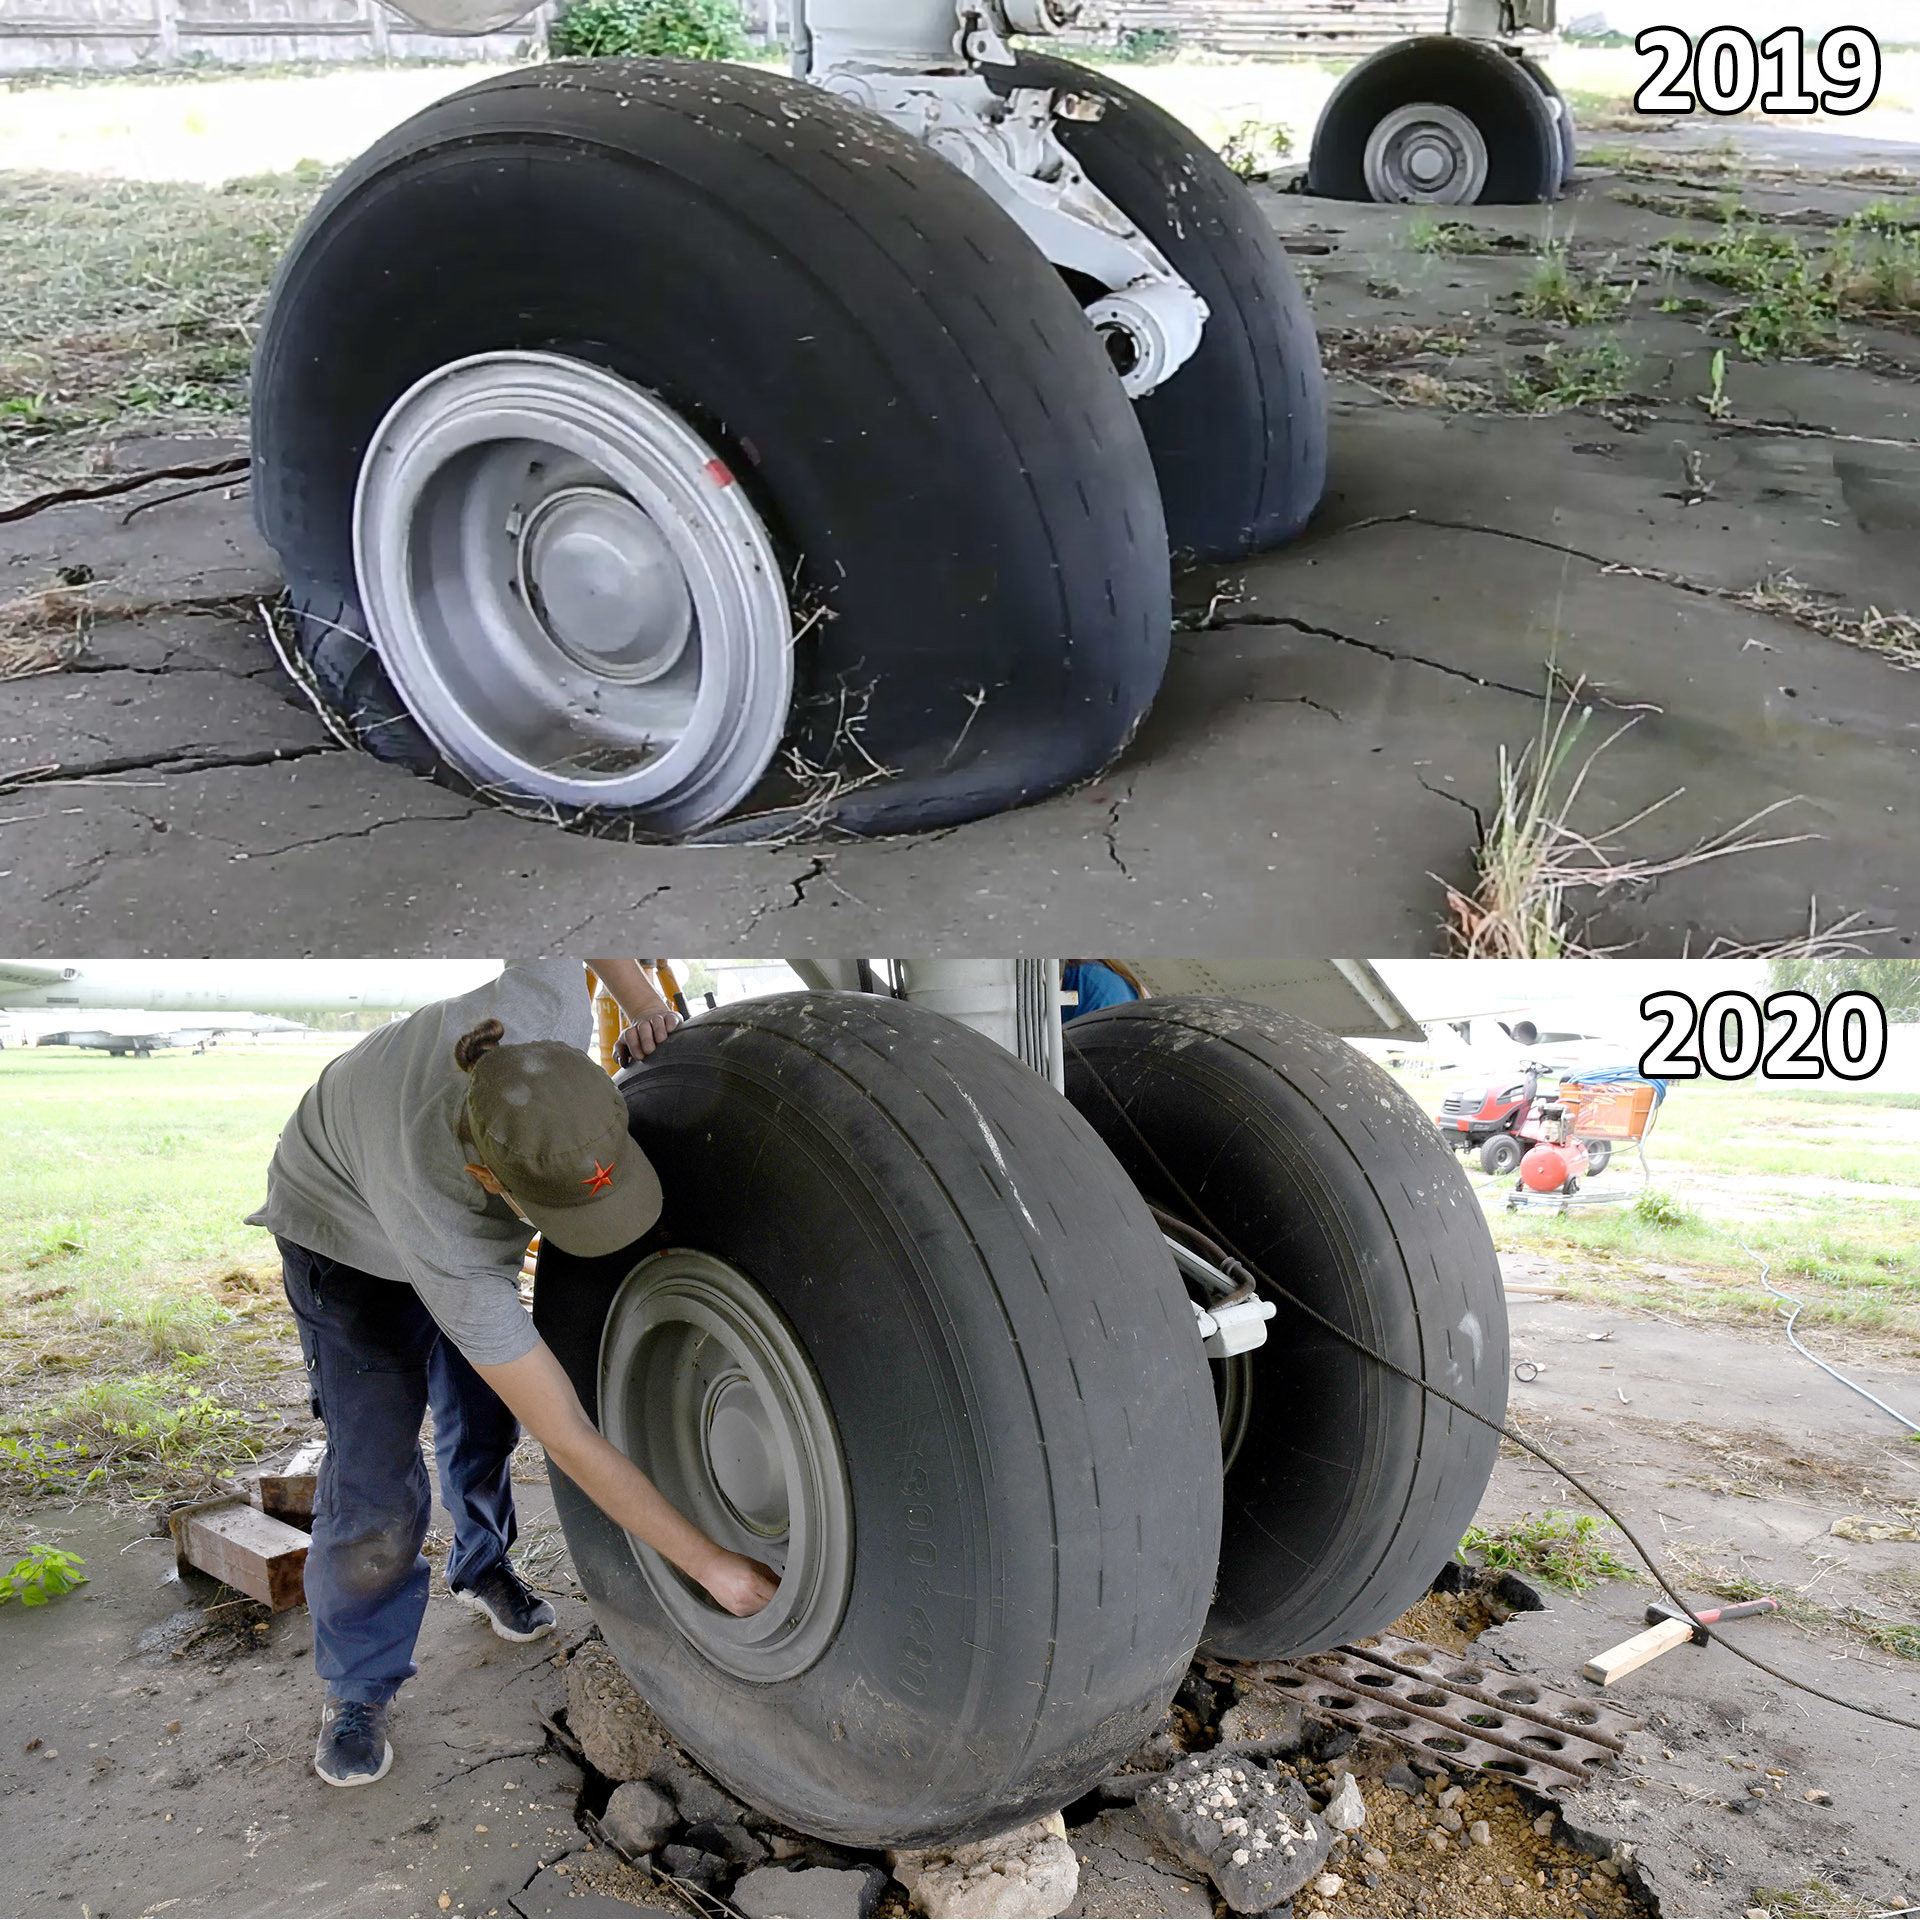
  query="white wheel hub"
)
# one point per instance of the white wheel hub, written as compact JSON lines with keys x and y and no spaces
{"x":1427,"y":153}
{"x":572,"y":593}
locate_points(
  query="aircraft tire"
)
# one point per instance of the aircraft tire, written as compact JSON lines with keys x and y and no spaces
{"x":1563,"y":115}
{"x":925,"y":519}
{"x":1347,"y":1488}
{"x":1239,"y":434}
{"x":1472,"y":87}
{"x":1009,"y":1373}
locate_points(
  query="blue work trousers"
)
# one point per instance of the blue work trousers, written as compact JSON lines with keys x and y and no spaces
{"x":375,"y":1363}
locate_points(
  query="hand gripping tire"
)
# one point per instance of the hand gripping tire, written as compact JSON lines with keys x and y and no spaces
{"x":1347,"y":1488}
{"x":1468,"y":83}
{"x":831,"y":490}
{"x":998,"y":1424}
{"x":1239,"y":434}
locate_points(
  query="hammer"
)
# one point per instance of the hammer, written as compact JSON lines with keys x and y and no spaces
{"x":1667,"y":1628}
{"x":1711,"y":1616}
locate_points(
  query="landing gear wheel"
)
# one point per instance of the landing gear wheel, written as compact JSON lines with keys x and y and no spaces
{"x":1501,"y":1154}
{"x":1349,"y":1487}
{"x":1239,"y":434}
{"x":1599,"y":1156}
{"x":1563,"y":113}
{"x":906,"y":1333}
{"x":1439,"y":122}
{"x":633,"y":457}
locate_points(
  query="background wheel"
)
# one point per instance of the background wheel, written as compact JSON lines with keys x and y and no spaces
{"x":1563,"y":114}
{"x":906,"y":1330}
{"x":1239,"y":434}
{"x":1501,"y":1154}
{"x":1348,"y":1489}
{"x":1599,"y":1155}
{"x":588,"y":389}
{"x":1437,"y":120}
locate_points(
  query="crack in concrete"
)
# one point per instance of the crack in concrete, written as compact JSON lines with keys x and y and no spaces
{"x":516,"y":1753}
{"x":99,"y":668}
{"x":1370,"y":646}
{"x":358,"y":833}
{"x":816,"y":870}
{"x":1112,"y":830}
{"x":1459,"y":800}
{"x":176,"y":760}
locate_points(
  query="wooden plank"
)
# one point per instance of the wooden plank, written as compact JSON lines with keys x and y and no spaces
{"x":248,"y":1550}
{"x":1629,"y":1655}
{"x":287,"y":1492}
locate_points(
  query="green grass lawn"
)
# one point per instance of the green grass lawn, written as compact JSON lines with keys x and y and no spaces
{"x":1745,"y":1164}
{"x":143,"y":1322}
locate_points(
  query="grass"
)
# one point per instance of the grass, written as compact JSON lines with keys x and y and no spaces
{"x":1564,"y":377}
{"x":1795,"y":301}
{"x":1894,"y":635}
{"x":147,"y":1345}
{"x":1253,"y":148}
{"x":128,"y":302}
{"x":1566,"y":1549}
{"x":1719,"y":1154}
{"x":1559,"y":291}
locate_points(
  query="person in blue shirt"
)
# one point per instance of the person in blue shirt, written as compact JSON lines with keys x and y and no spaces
{"x":1099,"y":983}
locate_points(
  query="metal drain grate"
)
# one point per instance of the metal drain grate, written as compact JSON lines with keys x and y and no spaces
{"x":1465,"y":1711}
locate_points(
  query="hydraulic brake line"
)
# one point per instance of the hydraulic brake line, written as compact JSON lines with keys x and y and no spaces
{"x":1506,"y":1432}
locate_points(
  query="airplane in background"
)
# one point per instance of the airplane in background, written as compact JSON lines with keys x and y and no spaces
{"x":140,"y":1034}
{"x":240,"y":986}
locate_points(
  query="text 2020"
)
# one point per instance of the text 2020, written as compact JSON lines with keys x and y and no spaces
{"x":1727,"y":71}
{"x":1793,"y":1037}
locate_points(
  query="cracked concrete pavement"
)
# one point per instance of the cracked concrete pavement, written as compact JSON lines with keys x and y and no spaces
{"x":1322,"y":759}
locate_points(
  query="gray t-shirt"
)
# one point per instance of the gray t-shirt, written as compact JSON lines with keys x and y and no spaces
{"x":371,"y":1171}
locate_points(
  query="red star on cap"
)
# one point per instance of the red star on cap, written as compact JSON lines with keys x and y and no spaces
{"x":598,"y":1178}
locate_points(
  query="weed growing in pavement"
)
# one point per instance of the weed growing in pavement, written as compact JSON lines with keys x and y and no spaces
{"x":1573,"y":376}
{"x":1425,"y":234}
{"x":41,"y":1574}
{"x":1253,"y":148}
{"x":1533,"y":856}
{"x":1716,"y":402}
{"x":1559,"y":291}
{"x":1564,"y":1548}
{"x":1874,"y":270}
{"x":143,"y":1421}
{"x":1893,"y":1636}
{"x":1656,"y":1209}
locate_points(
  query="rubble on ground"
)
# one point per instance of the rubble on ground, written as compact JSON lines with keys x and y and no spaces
{"x":1251,"y":1831}
{"x":1031,"y":1871}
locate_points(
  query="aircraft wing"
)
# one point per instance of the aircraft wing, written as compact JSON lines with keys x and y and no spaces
{"x":1344,"y":996}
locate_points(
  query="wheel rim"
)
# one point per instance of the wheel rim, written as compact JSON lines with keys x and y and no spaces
{"x":571,"y":592}
{"x":707,"y":1389}
{"x":1427,"y":153}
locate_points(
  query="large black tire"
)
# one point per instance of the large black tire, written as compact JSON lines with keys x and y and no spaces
{"x":1599,"y":1156}
{"x":1012,"y":1366}
{"x":1563,"y":114}
{"x":1500,"y":1154}
{"x":1350,"y":1488}
{"x":1239,"y":434}
{"x":926,"y":424}
{"x":1520,"y":129}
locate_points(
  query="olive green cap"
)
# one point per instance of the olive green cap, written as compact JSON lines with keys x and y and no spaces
{"x":551,"y":1127}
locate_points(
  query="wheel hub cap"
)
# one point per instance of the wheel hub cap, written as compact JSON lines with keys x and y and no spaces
{"x":572,"y":592}
{"x":603,"y":582}
{"x":707,"y":1389}
{"x":1427,"y":153}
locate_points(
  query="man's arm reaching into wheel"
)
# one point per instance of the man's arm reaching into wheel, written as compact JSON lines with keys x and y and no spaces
{"x":542,"y":1398}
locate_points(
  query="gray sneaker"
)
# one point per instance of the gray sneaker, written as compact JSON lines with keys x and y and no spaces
{"x":353,"y":1749}
{"x":502,"y":1597}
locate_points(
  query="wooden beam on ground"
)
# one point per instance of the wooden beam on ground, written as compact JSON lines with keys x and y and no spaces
{"x":247,"y":1549}
{"x":1619,"y":1661}
{"x":287,"y":1492}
